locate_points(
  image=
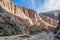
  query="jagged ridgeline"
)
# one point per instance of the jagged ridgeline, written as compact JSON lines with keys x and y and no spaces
{"x":7,"y":25}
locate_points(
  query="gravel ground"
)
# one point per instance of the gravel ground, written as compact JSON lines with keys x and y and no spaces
{"x":40,"y":36}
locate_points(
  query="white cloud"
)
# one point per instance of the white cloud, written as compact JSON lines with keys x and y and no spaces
{"x":33,"y":3}
{"x":49,"y":5}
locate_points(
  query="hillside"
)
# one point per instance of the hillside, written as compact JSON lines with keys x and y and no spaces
{"x":21,"y":19}
{"x":7,"y":25}
{"x":52,"y":14}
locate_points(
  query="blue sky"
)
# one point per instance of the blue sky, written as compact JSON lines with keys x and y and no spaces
{"x":39,"y":5}
{"x":32,"y":4}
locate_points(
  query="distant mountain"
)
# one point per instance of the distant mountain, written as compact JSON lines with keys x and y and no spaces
{"x":52,"y":14}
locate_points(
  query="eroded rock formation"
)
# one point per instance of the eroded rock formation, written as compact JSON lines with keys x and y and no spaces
{"x":24,"y":17}
{"x":26,"y":13}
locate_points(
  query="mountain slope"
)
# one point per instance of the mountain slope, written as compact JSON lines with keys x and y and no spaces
{"x":24,"y":18}
{"x":52,"y":14}
{"x":7,"y":25}
{"x":25,"y":13}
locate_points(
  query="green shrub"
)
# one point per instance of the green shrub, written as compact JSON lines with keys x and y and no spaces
{"x":1,"y":20}
{"x":0,"y":9}
{"x":9,"y":32}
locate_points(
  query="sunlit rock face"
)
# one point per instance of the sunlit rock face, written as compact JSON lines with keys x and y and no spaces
{"x":32,"y":16}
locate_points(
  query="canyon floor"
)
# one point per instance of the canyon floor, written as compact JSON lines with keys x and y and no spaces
{"x":40,"y":36}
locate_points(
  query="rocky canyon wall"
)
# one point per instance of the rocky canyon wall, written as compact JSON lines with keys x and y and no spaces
{"x":29,"y":14}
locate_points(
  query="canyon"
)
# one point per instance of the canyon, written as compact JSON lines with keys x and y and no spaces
{"x":17,"y":20}
{"x":17,"y":17}
{"x":32,"y":16}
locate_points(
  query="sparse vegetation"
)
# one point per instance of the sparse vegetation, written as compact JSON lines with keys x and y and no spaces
{"x":9,"y":32}
{"x":9,"y":27}
{"x":0,"y":9}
